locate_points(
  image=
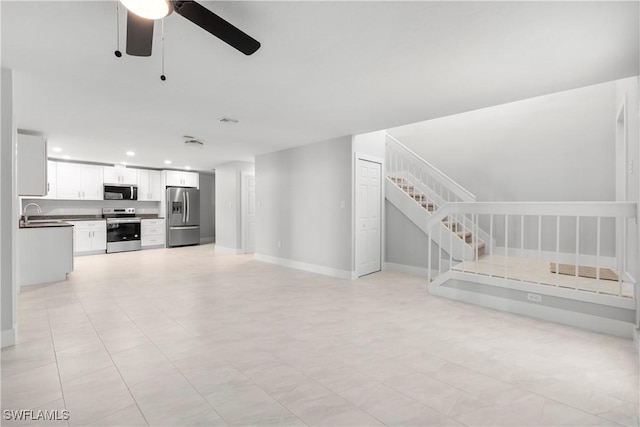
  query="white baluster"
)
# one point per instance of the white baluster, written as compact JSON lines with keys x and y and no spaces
{"x":491,"y":244}
{"x":577,"y":269}
{"x":506,"y":246}
{"x":598,"y":220}
{"x":539,"y":244}
{"x":521,"y":247}
{"x":557,"y":250}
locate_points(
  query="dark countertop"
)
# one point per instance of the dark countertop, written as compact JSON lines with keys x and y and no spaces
{"x":65,"y":217}
{"x":45,"y":224}
{"x":83,"y":217}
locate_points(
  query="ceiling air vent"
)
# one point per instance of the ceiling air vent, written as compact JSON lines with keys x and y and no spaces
{"x":195,"y":143}
{"x":228,"y":120}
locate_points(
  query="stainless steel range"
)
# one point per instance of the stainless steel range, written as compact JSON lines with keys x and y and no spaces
{"x":123,"y":229}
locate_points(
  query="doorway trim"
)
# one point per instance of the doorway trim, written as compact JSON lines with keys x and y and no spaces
{"x":243,"y":210}
{"x":356,"y":181}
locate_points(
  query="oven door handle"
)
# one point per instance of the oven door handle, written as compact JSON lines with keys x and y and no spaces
{"x":123,"y":221}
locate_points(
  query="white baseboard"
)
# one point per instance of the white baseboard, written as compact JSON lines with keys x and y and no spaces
{"x":205,"y":240}
{"x":407,"y":269}
{"x":226,"y":250}
{"x":8,"y":337}
{"x":313,"y":268}
{"x":551,"y":314}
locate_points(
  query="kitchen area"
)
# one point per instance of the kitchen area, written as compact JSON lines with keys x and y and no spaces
{"x":71,"y":209}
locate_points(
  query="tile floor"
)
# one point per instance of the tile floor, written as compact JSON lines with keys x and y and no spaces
{"x":190,"y":337}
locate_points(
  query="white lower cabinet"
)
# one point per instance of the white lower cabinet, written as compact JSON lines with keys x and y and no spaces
{"x":153,"y":233}
{"x":89,"y":237}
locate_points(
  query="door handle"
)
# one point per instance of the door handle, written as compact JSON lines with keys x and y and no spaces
{"x":184,"y":208}
{"x":188,"y":207}
{"x":132,"y":192}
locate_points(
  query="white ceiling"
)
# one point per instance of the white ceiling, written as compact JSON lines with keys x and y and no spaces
{"x":325,"y":69}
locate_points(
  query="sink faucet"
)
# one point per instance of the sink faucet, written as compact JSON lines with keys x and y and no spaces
{"x":24,"y":212}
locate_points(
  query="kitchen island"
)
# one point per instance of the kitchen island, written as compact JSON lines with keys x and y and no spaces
{"x":45,"y":252}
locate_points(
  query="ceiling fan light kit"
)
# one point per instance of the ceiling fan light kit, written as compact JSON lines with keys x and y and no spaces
{"x":149,"y":9}
{"x":142,"y":13}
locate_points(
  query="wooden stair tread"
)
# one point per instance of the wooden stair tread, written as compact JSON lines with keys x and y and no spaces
{"x":585,"y":271}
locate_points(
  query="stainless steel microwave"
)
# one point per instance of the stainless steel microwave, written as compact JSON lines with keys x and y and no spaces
{"x":120,"y":192}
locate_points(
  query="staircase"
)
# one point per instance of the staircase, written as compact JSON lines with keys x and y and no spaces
{"x":557,"y":261}
{"x":458,"y":240}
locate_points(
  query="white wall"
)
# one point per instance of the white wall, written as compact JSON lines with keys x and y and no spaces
{"x":372,"y":143}
{"x":8,"y":212}
{"x":304,"y":210}
{"x":227,"y":202}
{"x":207,"y":207}
{"x":558,"y":147}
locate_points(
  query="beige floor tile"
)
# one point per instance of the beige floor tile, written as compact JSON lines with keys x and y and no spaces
{"x":141,"y":363}
{"x":122,"y":338}
{"x":169,"y":400}
{"x":49,"y":414}
{"x":95,"y":396}
{"x":246,"y":405}
{"x":83,"y":334}
{"x":243,"y":342}
{"x":81,"y":360}
{"x":31,"y":388}
{"x":26,"y":356}
{"x":394,"y":408}
{"x":427,"y":390}
{"x":129,"y":416}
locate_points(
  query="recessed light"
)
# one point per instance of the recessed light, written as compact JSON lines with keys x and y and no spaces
{"x":56,"y":149}
{"x":131,"y":153}
{"x":66,"y":156}
{"x":188,"y":168}
{"x":167,"y":162}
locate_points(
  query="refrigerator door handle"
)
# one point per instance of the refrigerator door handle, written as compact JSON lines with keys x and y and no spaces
{"x":188,"y":207}
{"x":184,"y":208}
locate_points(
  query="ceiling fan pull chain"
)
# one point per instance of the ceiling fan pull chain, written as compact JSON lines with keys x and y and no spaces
{"x":117,"y":52}
{"x":162,"y":76}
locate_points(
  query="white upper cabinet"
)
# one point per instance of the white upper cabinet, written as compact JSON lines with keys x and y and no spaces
{"x":149,"y":185}
{"x":182,"y":179}
{"x":32,"y":165}
{"x":123,"y":176}
{"x":52,"y":180}
{"x":77,"y":181}
{"x":191,"y":179}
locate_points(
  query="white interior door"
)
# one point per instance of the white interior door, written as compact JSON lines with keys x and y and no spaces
{"x":369,"y":217}
{"x":248,"y":212}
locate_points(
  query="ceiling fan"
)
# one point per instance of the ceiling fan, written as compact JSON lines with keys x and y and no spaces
{"x":142,"y":13}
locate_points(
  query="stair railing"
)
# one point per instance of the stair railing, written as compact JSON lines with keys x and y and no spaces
{"x":565,"y":245}
{"x":403,"y":163}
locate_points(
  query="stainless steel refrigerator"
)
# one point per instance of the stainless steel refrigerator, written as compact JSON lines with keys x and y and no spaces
{"x":183,"y":216}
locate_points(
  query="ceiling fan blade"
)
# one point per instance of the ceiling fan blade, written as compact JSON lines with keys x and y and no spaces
{"x":217,"y":26}
{"x":139,"y":35}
